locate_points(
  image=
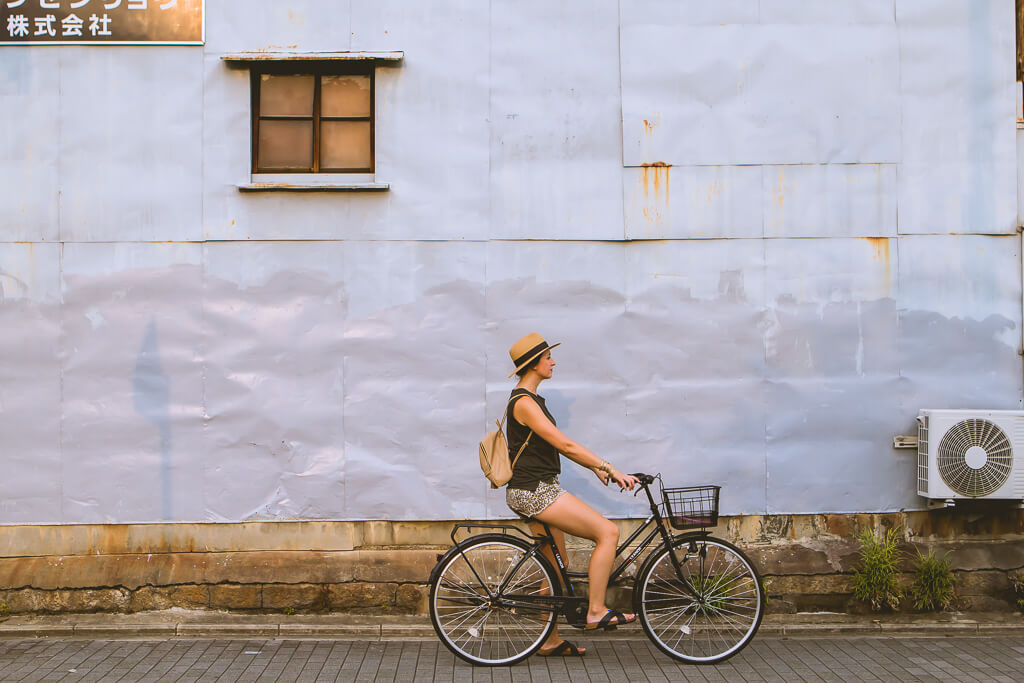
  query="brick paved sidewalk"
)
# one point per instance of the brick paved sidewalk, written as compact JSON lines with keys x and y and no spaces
{"x":866,"y":658}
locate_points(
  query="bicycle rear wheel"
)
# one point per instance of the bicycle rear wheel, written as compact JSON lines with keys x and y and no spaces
{"x":719,"y":620}
{"x":469,"y":615}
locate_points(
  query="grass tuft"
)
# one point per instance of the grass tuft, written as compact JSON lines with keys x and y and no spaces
{"x":933,"y":582}
{"x":875,"y":580}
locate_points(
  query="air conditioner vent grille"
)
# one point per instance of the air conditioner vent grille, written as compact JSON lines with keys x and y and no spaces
{"x":922,"y":455}
{"x":975,"y":457}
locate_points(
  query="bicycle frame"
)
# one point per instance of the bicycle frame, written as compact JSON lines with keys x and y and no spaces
{"x":555,"y":603}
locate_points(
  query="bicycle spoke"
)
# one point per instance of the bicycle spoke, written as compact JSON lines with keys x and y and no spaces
{"x":474,"y":620}
{"x":716,"y":620}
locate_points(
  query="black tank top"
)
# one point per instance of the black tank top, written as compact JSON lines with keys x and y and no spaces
{"x":540,"y":460}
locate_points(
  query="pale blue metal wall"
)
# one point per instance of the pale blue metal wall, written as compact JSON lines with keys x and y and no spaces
{"x":766,"y":232}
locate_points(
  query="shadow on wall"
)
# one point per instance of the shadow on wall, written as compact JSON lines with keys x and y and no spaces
{"x":151,"y":397}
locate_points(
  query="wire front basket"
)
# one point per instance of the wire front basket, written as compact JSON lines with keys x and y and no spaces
{"x":692,"y":507}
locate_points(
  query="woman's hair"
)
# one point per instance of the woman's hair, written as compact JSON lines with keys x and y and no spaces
{"x":522,"y":371}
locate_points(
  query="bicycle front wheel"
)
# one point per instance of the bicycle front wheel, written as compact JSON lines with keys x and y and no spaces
{"x":472,"y":614}
{"x":717,"y":618}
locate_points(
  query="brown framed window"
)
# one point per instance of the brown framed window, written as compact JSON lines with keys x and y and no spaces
{"x":312,"y":118}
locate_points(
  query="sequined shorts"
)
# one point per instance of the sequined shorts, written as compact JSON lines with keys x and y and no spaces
{"x":534,"y":502}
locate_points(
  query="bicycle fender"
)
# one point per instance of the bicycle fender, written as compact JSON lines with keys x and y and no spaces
{"x":444,"y":558}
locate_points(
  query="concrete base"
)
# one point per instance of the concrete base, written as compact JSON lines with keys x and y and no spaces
{"x":381,"y":567}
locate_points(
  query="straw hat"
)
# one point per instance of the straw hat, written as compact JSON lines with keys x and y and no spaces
{"x":526,"y":349}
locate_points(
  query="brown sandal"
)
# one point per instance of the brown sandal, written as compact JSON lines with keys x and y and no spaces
{"x":563,"y":649}
{"x":606,"y":622}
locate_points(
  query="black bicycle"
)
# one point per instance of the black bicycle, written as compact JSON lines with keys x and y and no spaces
{"x":494,"y":597}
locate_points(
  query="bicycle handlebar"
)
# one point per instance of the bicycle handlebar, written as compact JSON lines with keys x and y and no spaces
{"x":645,"y":479}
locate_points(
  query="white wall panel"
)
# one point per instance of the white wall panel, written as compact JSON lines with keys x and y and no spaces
{"x":30,"y":143}
{"x":696,"y":364}
{"x":813,"y":12}
{"x":30,"y":382}
{"x":310,"y":25}
{"x":830,"y":200}
{"x":130,"y":161}
{"x":572,"y":293}
{"x":275,"y":315}
{"x":132,"y":435}
{"x":958,"y":153}
{"x":733,"y":99}
{"x":833,"y":375}
{"x":555,"y":145}
{"x":696,"y":12}
{"x":413,"y":365}
{"x":960,"y":322}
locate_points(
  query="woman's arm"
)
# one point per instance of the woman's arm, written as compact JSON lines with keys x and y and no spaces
{"x":527,"y":412}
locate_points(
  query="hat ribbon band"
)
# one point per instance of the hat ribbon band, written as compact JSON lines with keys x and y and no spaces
{"x":532,"y":352}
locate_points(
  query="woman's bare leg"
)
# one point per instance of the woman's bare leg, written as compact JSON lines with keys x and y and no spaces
{"x":573,"y":516}
{"x":538,"y":529}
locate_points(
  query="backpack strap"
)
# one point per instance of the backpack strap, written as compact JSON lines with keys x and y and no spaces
{"x":501,"y":425}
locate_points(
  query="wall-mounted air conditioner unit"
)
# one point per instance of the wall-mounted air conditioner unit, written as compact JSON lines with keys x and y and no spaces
{"x":970,"y":454}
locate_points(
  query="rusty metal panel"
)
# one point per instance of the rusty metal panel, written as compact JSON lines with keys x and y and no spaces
{"x":555,"y":120}
{"x":831,"y":200}
{"x":960,"y":307}
{"x":958,"y":154}
{"x":132,"y":444}
{"x":759,"y":93}
{"x":29,"y":144}
{"x":30,"y":388}
{"x":685,"y":202}
{"x":130,"y":162}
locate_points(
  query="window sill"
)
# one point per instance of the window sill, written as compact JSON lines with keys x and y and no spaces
{"x":314,"y":187}
{"x":313,"y":182}
{"x":292,"y":56}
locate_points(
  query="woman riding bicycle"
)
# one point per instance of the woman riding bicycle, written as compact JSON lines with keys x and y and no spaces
{"x":534,"y":491}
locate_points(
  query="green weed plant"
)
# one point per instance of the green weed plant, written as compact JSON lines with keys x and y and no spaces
{"x":875,"y":581}
{"x":933,"y":582}
{"x":1018,"y":588}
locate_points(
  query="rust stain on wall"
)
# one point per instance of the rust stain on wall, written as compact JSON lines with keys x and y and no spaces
{"x":651,"y":123}
{"x":880,"y":245}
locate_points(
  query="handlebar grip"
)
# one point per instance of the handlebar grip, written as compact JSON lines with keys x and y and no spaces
{"x":645,"y":479}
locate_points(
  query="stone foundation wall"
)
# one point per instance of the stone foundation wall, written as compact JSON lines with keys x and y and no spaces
{"x":807,"y":562}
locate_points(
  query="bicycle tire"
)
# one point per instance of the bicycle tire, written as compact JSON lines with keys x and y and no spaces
{"x":713,"y":627}
{"x":473,"y":627}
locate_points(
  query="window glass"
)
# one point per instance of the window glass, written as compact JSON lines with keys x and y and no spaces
{"x":345,"y":95}
{"x":345,"y":144}
{"x":286,"y":144}
{"x":286,"y":95}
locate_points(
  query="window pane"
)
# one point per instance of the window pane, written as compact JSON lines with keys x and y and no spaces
{"x":345,"y":96}
{"x":344,"y":144}
{"x":286,"y":144}
{"x":284,"y":95}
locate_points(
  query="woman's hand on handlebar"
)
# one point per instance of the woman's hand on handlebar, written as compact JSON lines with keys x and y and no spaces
{"x":625,"y":481}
